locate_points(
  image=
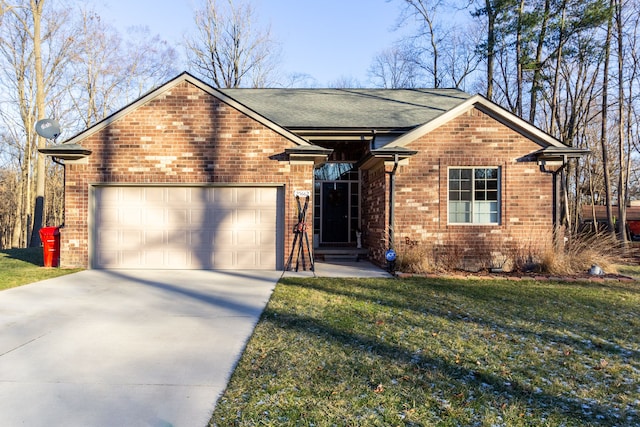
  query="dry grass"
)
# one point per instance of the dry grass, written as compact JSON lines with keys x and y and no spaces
{"x":578,"y":253}
{"x":572,"y":255}
{"x":415,"y":259}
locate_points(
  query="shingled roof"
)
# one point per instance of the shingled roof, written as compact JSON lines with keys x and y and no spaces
{"x":349,"y":108}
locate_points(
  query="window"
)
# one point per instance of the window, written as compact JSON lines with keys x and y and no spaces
{"x":474,"y":195}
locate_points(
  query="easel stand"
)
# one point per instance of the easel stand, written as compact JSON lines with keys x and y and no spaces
{"x":301,"y":238}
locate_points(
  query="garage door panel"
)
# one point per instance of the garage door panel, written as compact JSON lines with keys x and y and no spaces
{"x":154,"y":194}
{"x":224,"y":238}
{"x":265,"y":219}
{"x":247,"y":258}
{"x":130,"y":259}
{"x":132,"y":238}
{"x":198,"y":217}
{"x":246,"y":217}
{"x":152,"y":237}
{"x":223,"y":260}
{"x":109,"y":216}
{"x":177,"y":239}
{"x":186,"y":227}
{"x":224,"y":197}
{"x":223,"y":218}
{"x":201,"y":239}
{"x":178,"y":217}
{"x":247,"y":237}
{"x":265,"y":238}
{"x":267,"y":260}
{"x":178,"y":195}
{"x":177,"y":259}
{"x":108,"y":258}
{"x":153,"y":216}
{"x":153,"y":258}
{"x":131,"y":195}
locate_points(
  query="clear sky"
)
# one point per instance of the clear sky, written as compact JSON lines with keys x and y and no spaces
{"x":326,"y":39}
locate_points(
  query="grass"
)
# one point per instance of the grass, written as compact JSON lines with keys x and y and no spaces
{"x":630,"y":270}
{"x":22,"y":266}
{"x":437,"y":352}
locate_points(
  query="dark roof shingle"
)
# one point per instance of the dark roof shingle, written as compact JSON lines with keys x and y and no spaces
{"x":349,"y":108}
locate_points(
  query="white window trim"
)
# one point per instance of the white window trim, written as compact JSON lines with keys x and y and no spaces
{"x":471,"y":223}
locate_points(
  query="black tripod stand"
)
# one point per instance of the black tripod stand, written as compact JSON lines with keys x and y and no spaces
{"x":300,"y":231}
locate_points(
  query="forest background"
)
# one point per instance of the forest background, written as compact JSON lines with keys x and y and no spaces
{"x":571,"y":67}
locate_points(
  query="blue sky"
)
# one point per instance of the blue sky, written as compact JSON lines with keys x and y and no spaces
{"x":326,"y":39}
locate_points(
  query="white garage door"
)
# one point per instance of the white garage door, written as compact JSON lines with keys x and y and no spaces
{"x":186,"y":227}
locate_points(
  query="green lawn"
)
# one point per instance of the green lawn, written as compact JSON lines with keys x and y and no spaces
{"x":630,"y":270}
{"x":436,"y":352}
{"x":21,"y":266}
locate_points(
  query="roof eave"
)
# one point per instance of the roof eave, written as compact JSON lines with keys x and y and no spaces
{"x":560,"y":153}
{"x":386,"y":154}
{"x":66,"y":151}
{"x":309,"y":153}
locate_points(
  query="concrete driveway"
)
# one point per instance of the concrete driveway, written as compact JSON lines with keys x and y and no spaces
{"x":125,"y":348}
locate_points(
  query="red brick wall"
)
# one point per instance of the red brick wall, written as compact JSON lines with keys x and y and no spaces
{"x":472,"y":139}
{"x":374,"y":212}
{"x":182,"y":136}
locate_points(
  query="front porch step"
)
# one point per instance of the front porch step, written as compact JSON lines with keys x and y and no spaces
{"x":340,"y":254}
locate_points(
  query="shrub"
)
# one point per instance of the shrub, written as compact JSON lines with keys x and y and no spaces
{"x":576,"y":254}
{"x":570,"y":255}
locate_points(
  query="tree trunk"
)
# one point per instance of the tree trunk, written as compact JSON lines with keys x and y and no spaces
{"x":491,"y":45}
{"x":622,"y":181}
{"x":537,"y":72}
{"x":604,"y":122}
{"x":38,"y":211}
{"x":556,"y":78}
{"x":519,"y":73}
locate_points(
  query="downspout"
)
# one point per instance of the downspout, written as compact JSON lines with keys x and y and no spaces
{"x":392,"y":199}
{"x":64,"y":189}
{"x":390,"y":254}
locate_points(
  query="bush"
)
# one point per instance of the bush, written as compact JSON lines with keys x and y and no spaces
{"x":570,"y":255}
{"x":576,"y":254}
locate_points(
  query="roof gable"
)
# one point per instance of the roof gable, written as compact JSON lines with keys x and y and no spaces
{"x":551,"y":148}
{"x":185,"y":77}
{"x":491,"y":109}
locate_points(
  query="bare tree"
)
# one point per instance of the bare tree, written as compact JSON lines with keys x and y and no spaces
{"x":32,"y":50}
{"x":58,"y":64}
{"x":107,"y":72}
{"x":227,"y":49}
{"x":345,"y":82}
{"x":393,"y":68}
{"x":426,"y":13}
{"x":442,"y":52}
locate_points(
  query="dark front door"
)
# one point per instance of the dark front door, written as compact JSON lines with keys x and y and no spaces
{"x":335,"y":212}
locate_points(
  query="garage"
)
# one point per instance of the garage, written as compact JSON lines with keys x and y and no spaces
{"x":187,"y":227}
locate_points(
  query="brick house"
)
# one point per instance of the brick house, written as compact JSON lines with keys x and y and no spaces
{"x":189,"y":176}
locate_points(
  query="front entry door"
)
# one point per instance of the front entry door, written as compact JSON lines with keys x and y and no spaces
{"x":335,"y":212}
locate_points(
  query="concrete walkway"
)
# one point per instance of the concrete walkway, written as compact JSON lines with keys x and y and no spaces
{"x":358,"y":269}
{"x":125,"y":348}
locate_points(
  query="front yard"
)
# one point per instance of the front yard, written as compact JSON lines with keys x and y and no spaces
{"x":436,"y":352}
{"x":22,"y":266}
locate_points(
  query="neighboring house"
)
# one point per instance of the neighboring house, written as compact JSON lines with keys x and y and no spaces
{"x":600,"y":212}
{"x":190,"y":176}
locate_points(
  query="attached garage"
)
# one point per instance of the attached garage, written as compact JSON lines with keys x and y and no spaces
{"x":187,"y":227}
